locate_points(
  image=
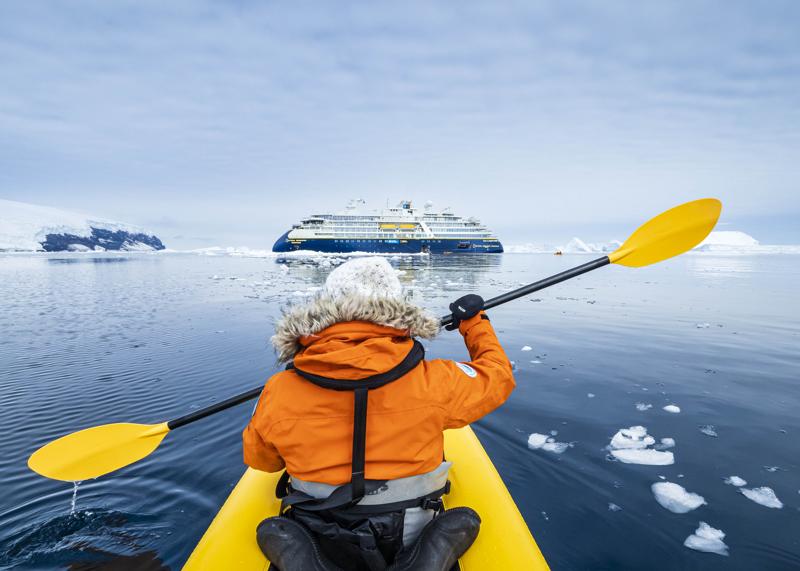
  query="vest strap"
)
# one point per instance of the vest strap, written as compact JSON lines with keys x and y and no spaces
{"x":351,"y":493}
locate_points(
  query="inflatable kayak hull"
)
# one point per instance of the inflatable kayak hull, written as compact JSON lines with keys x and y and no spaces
{"x":504,"y":541}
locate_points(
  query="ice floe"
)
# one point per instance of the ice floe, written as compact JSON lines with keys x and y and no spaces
{"x":646,"y":457}
{"x":707,"y":539}
{"x":590,"y":395}
{"x":634,"y":437}
{"x":764,"y":496}
{"x":527,"y":348}
{"x":547,"y":443}
{"x":612,"y":507}
{"x":631,"y":446}
{"x":675,"y":498}
{"x":672,"y":408}
{"x":640,"y":406}
{"x":736,"y":481}
{"x":536,"y":440}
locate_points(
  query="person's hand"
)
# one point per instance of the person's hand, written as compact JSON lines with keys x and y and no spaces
{"x":463,"y":308}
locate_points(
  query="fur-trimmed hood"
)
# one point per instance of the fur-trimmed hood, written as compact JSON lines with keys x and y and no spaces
{"x":323,"y":311}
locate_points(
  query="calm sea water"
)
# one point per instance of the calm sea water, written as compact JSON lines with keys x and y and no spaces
{"x":93,"y":339}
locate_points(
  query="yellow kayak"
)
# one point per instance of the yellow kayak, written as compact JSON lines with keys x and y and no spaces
{"x":504,"y":541}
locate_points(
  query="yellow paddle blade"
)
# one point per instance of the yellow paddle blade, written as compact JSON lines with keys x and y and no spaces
{"x":96,"y":451}
{"x":673,"y":232}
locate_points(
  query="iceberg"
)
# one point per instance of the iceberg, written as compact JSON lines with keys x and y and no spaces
{"x":578,"y":246}
{"x":720,"y":242}
{"x":32,"y":228}
{"x":736,"y":242}
{"x":529,"y":248}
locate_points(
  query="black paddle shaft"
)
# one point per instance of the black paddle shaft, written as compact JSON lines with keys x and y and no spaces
{"x":541,"y":284}
{"x":446,"y":320}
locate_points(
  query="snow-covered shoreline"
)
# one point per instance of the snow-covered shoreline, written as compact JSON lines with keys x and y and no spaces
{"x":33,"y":228}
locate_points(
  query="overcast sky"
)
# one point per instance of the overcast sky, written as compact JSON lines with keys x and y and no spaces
{"x":221,"y":123}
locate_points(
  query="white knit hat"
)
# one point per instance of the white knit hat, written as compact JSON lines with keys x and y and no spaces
{"x":365,"y":277}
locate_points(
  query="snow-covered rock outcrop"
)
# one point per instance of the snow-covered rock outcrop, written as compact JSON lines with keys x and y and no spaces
{"x":29,"y":227}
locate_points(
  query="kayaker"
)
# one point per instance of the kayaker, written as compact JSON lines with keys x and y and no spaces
{"x":363,"y":482}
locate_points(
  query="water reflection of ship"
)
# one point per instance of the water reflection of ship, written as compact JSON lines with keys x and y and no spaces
{"x":414,"y":271}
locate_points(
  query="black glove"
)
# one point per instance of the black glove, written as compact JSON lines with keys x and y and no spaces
{"x":464,"y":308}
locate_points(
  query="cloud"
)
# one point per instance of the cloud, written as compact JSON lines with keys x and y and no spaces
{"x":529,"y":114}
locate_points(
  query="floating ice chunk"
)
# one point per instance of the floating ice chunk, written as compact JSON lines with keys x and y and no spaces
{"x":527,"y":348}
{"x":633,"y":437}
{"x":612,"y":507}
{"x":640,"y":406}
{"x":675,"y":498}
{"x":764,"y":496}
{"x":772,"y":468}
{"x":707,"y":539}
{"x":536,"y":440}
{"x":555,"y":447}
{"x":666,"y":443}
{"x":547,"y":443}
{"x":736,"y":481}
{"x":672,"y":408}
{"x":647,"y":457}
{"x":703,"y":325}
{"x":630,"y":445}
{"x":536,"y":362}
{"x":708,"y":430}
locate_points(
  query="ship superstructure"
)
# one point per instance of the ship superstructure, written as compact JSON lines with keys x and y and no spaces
{"x":402,"y":228}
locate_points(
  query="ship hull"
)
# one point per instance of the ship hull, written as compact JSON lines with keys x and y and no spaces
{"x":389,"y":246}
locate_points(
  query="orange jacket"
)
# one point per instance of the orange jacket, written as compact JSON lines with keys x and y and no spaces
{"x":309,"y":429}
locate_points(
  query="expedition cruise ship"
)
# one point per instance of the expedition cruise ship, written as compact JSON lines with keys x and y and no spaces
{"x":402,"y":229}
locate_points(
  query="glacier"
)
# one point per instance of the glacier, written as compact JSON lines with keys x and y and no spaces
{"x":32,"y":228}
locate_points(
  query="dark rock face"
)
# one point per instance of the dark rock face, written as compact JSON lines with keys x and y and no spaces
{"x":108,"y":239}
